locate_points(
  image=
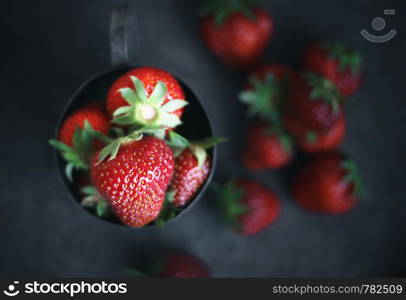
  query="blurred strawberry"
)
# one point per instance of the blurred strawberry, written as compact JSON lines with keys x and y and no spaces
{"x":237,"y":32}
{"x":330,"y":183}
{"x":338,"y":63}
{"x":311,"y":141}
{"x":314,"y":101}
{"x":247,"y":206}
{"x":267,"y":147}
{"x":266,"y":92}
{"x":192,"y":167}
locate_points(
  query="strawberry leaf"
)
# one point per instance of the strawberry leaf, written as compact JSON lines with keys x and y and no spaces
{"x":325,"y":90}
{"x":177,"y":141}
{"x":222,"y":9}
{"x":266,"y":98}
{"x":168,"y":211}
{"x":353,"y":176}
{"x":129,"y":95}
{"x":311,"y":136}
{"x":68,"y":171}
{"x":173,"y":105}
{"x":89,"y":190}
{"x":121,"y":110}
{"x":347,"y":59}
{"x":139,"y":89}
{"x":170,"y":120}
{"x":102,"y":208}
{"x":229,"y":203}
{"x":210,"y":142}
{"x":157,"y":97}
{"x":135,"y":273}
{"x":114,"y":146}
{"x":286,"y":142}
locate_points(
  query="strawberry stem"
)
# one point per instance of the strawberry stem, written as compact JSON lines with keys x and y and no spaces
{"x":222,"y":9}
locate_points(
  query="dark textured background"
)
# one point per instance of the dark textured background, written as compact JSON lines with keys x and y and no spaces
{"x":48,"y":48}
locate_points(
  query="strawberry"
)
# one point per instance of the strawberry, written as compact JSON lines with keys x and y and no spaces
{"x":266,"y":92}
{"x":93,"y":113}
{"x":189,"y":175}
{"x":248,"y":206}
{"x":91,"y":198}
{"x":146,"y":97}
{"x":314,"y":101}
{"x":311,"y":141}
{"x":338,"y":63}
{"x":135,"y":177}
{"x":330,"y":183}
{"x":267,"y":147}
{"x":179,"y":265}
{"x":85,"y":141}
{"x":174,"y":265}
{"x":236,"y":31}
{"x":192,"y":167}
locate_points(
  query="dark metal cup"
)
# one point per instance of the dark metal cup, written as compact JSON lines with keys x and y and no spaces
{"x":196,"y":123}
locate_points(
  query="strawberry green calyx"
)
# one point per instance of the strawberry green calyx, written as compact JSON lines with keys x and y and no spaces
{"x":311,"y":136}
{"x":229,"y":203}
{"x":284,"y":138}
{"x":347,"y":59}
{"x":78,"y":156}
{"x":168,"y":210}
{"x":94,"y":199}
{"x":263,"y":101}
{"x":324,"y":89}
{"x":135,"y":273}
{"x":112,"y":148}
{"x":177,"y":143}
{"x":353,"y":176}
{"x":222,"y":9}
{"x":198,"y":148}
{"x":148,"y":111}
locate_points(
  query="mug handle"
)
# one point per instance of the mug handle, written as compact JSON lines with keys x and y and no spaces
{"x":118,"y":35}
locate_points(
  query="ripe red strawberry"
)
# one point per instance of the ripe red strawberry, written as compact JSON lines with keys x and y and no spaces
{"x":314,"y":101}
{"x":93,"y":113}
{"x":340,"y":64}
{"x":188,"y":176}
{"x":236,"y":32}
{"x":330,"y":183}
{"x":192,"y":167}
{"x":266,"y":92}
{"x":267,"y":147}
{"x":248,"y":206}
{"x":135,"y":177}
{"x":145,"y":97}
{"x":79,"y":137}
{"x":312,"y":141}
